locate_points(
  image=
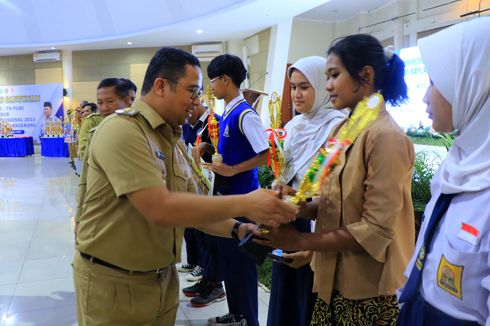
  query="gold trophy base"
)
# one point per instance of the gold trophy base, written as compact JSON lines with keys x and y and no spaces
{"x":217,"y":158}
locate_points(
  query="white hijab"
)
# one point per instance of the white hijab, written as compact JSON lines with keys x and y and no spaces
{"x":307,"y":132}
{"x":462,"y":75}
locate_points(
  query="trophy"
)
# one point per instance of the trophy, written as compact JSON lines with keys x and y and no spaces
{"x":277,"y":163}
{"x":276,"y":160}
{"x":213,"y":126}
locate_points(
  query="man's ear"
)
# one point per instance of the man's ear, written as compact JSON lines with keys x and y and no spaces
{"x":367,"y":75}
{"x":161,"y":86}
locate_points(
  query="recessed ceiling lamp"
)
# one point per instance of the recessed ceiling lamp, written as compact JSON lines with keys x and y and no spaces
{"x":130,"y":43}
{"x":199,"y":31}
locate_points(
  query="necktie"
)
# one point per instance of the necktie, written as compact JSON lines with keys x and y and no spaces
{"x":415,"y":277}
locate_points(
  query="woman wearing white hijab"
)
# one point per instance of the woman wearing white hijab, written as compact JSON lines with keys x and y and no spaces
{"x":449,"y":274}
{"x":291,"y":300}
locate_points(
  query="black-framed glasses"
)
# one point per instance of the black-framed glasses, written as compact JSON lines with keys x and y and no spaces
{"x":195,"y":92}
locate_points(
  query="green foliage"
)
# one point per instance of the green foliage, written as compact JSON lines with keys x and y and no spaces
{"x":427,"y":136}
{"x":447,"y":140}
{"x":427,"y":141}
{"x":424,"y":168}
{"x":266,"y":176}
{"x":425,"y":132}
{"x":264,"y":273}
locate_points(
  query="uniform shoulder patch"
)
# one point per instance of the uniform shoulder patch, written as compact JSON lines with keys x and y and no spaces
{"x":127,"y":111}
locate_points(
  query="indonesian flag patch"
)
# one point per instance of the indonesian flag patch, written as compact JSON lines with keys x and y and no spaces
{"x":468,"y":233}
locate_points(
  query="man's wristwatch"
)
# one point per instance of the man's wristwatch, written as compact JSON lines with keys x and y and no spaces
{"x":234,"y":230}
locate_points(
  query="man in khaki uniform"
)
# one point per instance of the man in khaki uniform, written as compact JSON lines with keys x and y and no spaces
{"x":112,"y":94}
{"x":129,"y":235}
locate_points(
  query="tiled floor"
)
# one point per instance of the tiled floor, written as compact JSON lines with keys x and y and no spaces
{"x":37,"y":200}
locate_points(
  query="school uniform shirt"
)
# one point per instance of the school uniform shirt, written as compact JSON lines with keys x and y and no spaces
{"x":368,"y":193}
{"x":252,"y":127}
{"x":241,"y":137}
{"x":456,"y":274}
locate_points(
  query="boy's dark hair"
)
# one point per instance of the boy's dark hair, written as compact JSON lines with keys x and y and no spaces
{"x":120,"y":87}
{"x":48,"y":104}
{"x":360,"y":50}
{"x":169,"y":63}
{"x":230,"y":65}
{"x":92,"y":106}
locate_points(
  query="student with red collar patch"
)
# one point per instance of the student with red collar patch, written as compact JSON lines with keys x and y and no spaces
{"x":449,"y":273}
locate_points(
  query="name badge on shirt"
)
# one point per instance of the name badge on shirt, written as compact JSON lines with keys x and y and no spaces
{"x":160,"y":155}
{"x":449,"y":277}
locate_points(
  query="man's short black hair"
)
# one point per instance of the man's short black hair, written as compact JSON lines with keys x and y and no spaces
{"x":230,"y":65}
{"x":48,"y":104}
{"x":121,"y":87}
{"x":129,"y":84}
{"x":169,"y":63}
{"x":92,"y":106}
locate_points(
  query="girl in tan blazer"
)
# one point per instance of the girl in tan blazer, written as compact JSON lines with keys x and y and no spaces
{"x":364,"y":234}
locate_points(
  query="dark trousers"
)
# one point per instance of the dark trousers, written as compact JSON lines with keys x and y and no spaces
{"x":211,"y":259}
{"x":291,"y":300}
{"x":419,"y":312}
{"x":240,"y":275}
{"x":193,"y":244}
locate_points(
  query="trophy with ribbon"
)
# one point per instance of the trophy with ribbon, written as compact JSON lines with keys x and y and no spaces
{"x":213,"y":127}
{"x":364,"y":114}
{"x":276,"y":160}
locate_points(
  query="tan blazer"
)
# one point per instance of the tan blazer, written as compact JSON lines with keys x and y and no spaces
{"x":369,"y":193}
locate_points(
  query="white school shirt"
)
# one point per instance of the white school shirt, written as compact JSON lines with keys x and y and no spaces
{"x":456,"y":274}
{"x":252,"y":127}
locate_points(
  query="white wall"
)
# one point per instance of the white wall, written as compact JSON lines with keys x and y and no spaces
{"x":400,"y":22}
{"x":309,"y":38}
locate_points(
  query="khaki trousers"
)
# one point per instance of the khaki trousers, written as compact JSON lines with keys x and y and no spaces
{"x":106,"y":296}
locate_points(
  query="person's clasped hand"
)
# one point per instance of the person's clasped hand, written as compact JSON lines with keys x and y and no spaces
{"x":266,"y":208}
{"x":221,"y":169}
{"x":285,"y":237}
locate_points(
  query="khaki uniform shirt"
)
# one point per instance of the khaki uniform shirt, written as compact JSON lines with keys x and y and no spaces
{"x":88,"y":123}
{"x":369,"y":193}
{"x":123,"y":160}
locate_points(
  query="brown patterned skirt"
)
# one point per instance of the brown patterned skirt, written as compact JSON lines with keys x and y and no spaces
{"x":382,"y":310}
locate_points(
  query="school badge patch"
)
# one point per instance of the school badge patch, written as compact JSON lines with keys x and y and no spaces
{"x":449,"y":277}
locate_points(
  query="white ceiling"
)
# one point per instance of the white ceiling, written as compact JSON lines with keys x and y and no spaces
{"x":339,"y":10}
{"x":36,"y":25}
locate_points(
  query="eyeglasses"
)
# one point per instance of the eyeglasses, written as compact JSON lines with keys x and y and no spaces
{"x":195,"y":92}
{"x":215,"y":78}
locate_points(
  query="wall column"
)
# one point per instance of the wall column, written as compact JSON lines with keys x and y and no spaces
{"x":67,"y":67}
{"x":277,"y":60}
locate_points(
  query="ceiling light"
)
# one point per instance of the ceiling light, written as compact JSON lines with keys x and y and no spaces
{"x":53,"y":48}
{"x":130,"y":43}
{"x":199,"y":31}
